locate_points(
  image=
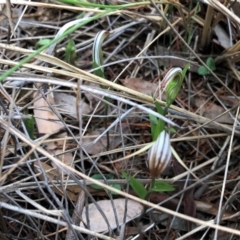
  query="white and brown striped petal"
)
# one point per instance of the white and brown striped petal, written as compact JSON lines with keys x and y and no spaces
{"x":159,"y":155}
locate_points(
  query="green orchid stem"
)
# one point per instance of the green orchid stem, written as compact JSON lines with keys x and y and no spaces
{"x":151,"y":185}
{"x":144,"y":206}
{"x":167,"y":106}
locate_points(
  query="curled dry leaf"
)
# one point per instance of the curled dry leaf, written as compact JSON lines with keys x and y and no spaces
{"x":67,"y":104}
{"x":97,"y":222}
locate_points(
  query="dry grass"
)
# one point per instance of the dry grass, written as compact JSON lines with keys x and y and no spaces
{"x":45,"y":181}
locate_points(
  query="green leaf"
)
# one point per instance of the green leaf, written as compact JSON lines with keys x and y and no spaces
{"x":70,"y":54}
{"x":107,"y":176}
{"x":96,"y":177}
{"x":211,"y":64}
{"x":29,"y":124}
{"x":159,"y":128}
{"x":99,"y":72}
{"x":58,"y":38}
{"x":170,"y":129}
{"x":153,"y":119}
{"x":202,"y":71}
{"x":81,"y":15}
{"x":153,"y":123}
{"x":117,"y":186}
{"x":138,"y":187}
{"x":99,"y":177}
{"x":184,"y":71}
{"x":162,"y":187}
{"x":157,"y":125}
{"x":42,"y":42}
{"x":159,"y":108}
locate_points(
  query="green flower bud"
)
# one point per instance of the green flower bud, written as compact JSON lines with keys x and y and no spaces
{"x":159,"y":155}
{"x":172,"y":83}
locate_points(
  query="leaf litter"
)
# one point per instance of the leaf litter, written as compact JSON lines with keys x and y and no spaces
{"x":96,"y":220}
{"x":68,"y":104}
{"x":195,"y":142}
{"x":96,"y":147}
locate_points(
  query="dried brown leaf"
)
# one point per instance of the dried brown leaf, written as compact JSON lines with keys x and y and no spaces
{"x":97,"y":222}
{"x":47,"y":121}
{"x":93,"y":99}
{"x":57,"y":149}
{"x":211,"y":110}
{"x":66,"y":158}
{"x":101,"y":144}
{"x":175,"y":59}
{"x":164,"y":219}
{"x":67,"y":104}
{"x":223,"y":37}
{"x":53,"y":174}
{"x":140,"y":85}
{"x":58,"y":143}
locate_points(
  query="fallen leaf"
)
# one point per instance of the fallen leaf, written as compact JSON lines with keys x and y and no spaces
{"x":222,"y":36}
{"x":201,"y":206}
{"x":175,"y":59}
{"x":165,"y":219}
{"x":47,"y":121}
{"x":58,"y":142}
{"x":53,"y":174}
{"x":101,"y":144}
{"x":93,"y":98}
{"x":66,"y":158}
{"x":72,"y":191}
{"x":211,"y":110}
{"x":67,"y":104}
{"x":97,"y":222}
{"x":58,"y":148}
{"x":129,"y":231}
{"x":141,"y":86}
